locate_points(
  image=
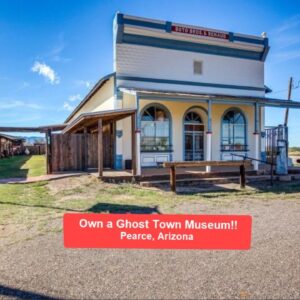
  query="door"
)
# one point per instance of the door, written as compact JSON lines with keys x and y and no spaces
{"x":193,"y":137}
{"x":108,"y":145}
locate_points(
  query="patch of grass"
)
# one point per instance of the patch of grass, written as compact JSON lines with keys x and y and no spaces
{"x":28,"y":210}
{"x":22,"y":166}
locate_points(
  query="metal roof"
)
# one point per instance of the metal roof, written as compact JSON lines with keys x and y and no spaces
{"x":216,"y":98}
{"x":90,"y":119}
{"x":95,"y":88}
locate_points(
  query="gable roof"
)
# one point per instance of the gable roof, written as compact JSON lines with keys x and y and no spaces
{"x":11,"y":137}
{"x":95,"y":88}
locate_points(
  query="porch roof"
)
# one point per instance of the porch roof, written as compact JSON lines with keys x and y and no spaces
{"x":91,"y":119}
{"x":215,"y":98}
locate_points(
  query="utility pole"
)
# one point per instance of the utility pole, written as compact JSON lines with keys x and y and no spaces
{"x":286,"y":118}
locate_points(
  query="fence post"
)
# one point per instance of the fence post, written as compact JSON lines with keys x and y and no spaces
{"x":242,"y":176}
{"x":173,"y":179}
{"x":48,"y":152}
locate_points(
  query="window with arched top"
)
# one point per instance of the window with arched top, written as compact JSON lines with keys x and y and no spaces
{"x":155,"y":129}
{"x":193,"y":137}
{"x":234,"y":131}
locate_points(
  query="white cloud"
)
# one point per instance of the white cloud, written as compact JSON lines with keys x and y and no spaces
{"x":46,"y":71}
{"x":15,"y":104}
{"x":76,"y":97}
{"x":289,"y":24}
{"x":85,"y":83}
{"x":68,"y":107}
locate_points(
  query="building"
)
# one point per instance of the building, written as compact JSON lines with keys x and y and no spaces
{"x":10,"y":145}
{"x":178,"y":93}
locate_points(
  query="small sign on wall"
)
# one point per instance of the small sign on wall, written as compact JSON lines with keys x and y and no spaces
{"x":201,"y":32}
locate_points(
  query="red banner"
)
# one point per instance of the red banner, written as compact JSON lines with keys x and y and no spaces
{"x":231,"y":232}
{"x":202,"y":32}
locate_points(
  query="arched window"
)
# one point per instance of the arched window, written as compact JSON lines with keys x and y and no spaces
{"x":155,"y":129}
{"x":234,"y":131}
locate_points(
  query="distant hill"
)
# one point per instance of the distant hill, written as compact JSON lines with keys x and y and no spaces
{"x":295,"y":150}
{"x":34,"y":139}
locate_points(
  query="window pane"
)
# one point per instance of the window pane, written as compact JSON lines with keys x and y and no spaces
{"x":160,"y":115}
{"x":155,"y":130}
{"x":233,"y":131}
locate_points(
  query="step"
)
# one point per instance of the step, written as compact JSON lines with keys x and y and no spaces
{"x":204,"y":181}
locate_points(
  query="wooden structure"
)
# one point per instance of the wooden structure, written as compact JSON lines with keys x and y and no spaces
{"x":103,"y":125}
{"x":10,"y":145}
{"x":185,"y":164}
{"x":41,"y":129}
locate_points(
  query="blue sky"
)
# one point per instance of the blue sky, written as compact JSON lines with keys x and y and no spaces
{"x":52,"y":52}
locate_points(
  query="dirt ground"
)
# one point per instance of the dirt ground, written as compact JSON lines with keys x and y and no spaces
{"x":40,"y":267}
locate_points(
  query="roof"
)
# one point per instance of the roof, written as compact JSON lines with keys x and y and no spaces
{"x":91,"y":119}
{"x":11,"y":137}
{"x":216,"y":98}
{"x":54,"y":127}
{"x":95,"y":88}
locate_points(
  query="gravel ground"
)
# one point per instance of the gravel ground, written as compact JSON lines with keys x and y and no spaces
{"x":41,"y":267}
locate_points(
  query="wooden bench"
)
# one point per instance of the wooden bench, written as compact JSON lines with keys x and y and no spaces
{"x":242,"y":164}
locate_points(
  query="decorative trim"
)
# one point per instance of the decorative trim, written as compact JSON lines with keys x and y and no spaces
{"x":135,"y":39}
{"x":192,"y":83}
{"x":121,"y":20}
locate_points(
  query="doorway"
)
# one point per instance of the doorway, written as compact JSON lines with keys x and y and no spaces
{"x":193,"y":137}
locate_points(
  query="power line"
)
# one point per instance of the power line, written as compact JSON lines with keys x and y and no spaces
{"x":294,"y":87}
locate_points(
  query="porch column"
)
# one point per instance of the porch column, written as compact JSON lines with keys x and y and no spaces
{"x":85,"y":149}
{"x":138,"y":138}
{"x":208,"y":136}
{"x":133,"y":143}
{"x":256,"y":137}
{"x":100,"y":148}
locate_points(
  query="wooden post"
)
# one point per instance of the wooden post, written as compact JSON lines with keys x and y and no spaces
{"x":242,"y":176}
{"x":85,"y":149}
{"x":100,"y":148}
{"x":48,"y":152}
{"x":286,"y":117}
{"x":133,"y":144}
{"x":173,"y":179}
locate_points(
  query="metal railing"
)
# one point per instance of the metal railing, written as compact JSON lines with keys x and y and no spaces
{"x":272,"y":163}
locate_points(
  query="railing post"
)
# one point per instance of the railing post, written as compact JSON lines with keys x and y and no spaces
{"x":242,"y":176}
{"x":173,"y":178}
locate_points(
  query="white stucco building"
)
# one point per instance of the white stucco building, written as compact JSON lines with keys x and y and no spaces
{"x":198,"y":93}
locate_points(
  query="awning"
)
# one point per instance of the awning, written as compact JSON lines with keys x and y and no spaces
{"x":90,"y":119}
{"x":215,"y":98}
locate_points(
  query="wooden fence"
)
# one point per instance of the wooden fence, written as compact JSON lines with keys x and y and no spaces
{"x":73,"y":152}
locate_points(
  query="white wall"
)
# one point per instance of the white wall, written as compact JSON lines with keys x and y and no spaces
{"x":151,"y":62}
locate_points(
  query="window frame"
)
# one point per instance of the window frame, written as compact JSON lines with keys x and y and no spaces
{"x":157,"y":146}
{"x":231,"y":137}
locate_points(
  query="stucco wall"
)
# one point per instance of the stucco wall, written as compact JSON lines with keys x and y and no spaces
{"x":177,"y":111}
{"x":102,"y":100}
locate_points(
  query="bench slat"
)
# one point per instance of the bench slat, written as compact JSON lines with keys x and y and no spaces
{"x":213,"y":163}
